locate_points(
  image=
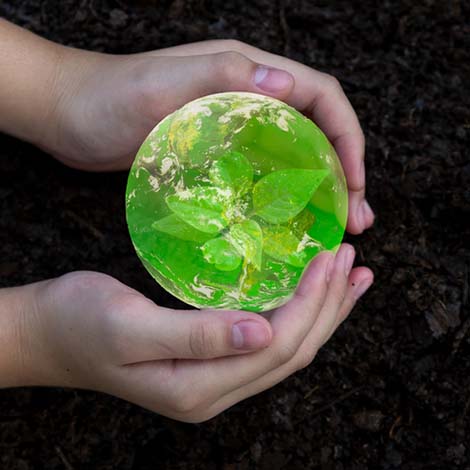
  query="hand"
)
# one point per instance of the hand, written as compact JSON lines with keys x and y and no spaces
{"x":88,"y":330}
{"x":108,"y":104}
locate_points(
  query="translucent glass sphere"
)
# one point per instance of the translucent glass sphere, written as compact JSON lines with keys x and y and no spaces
{"x":230,"y":197}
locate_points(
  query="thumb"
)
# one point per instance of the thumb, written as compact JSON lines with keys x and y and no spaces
{"x":152,"y":333}
{"x":216,"y":333}
{"x":182,"y":79}
{"x":233,"y":71}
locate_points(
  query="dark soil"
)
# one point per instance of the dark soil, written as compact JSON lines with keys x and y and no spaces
{"x":392,"y":388}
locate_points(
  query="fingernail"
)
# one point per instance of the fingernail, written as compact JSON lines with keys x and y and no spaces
{"x":271,"y":79}
{"x":247,"y":334}
{"x":346,"y":259}
{"x":362,"y":288}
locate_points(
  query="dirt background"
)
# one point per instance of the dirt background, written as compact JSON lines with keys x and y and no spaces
{"x":392,"y":388}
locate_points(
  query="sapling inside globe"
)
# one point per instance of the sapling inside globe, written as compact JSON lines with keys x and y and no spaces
{"x":230,"y":197}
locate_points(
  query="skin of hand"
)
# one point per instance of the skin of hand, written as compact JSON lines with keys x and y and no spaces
{"x":117,"y":100}
{"x":93,"y":111}
{"x":87,"y":330}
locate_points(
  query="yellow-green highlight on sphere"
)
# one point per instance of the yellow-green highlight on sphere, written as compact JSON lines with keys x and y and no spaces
{"x":230,"y":197}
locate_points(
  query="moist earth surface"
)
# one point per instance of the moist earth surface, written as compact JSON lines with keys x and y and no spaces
{"x":392,"y":387}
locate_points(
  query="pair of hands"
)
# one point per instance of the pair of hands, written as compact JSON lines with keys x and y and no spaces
{"x":88,"y":330}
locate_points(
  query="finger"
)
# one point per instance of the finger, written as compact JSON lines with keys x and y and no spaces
{"x":234,"y":71}
{"x":359,"y":281}
{"x":332,"y":111}
{"x":320,"y":96}
{"x":201,"y":75}
{"x":192,"y":382}
{"x":146,"y":332}
{"x":331,"y":309}
{"x":327,"y":318}
{"x":199,"y":403}
{"x":291,"y":324}
{"x":321,"y":327}
{"x":360,"y":215}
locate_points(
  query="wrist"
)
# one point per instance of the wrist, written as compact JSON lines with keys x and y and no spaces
{"x":38,"y":79}
{"x":66,"y":111}
{"x":43,"y":115}
{"x":26,"y":82}
{"x":22,"y":354}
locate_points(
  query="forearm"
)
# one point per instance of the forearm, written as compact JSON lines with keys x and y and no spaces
{"x":37,"y":77}
{"x":11,"y":336}
{"x":21,"y":344}
{"x":29,"y":71}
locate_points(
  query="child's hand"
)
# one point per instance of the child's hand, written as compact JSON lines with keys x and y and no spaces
{"x":88,"y":330}
{"x":108,"y":104}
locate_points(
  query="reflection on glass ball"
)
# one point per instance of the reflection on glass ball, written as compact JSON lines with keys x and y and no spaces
{"x":230,"y":197}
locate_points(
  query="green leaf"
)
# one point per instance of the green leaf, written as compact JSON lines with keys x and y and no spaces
{"x":173,"y":225}
{"x":222,"y":254}
{"x":247,"y":238}
{"x":301,"y":223}
{"x":234,"y":171}
{"x":281,"y":244}
{"x":281,"y":195}
{"x":200,"y":207}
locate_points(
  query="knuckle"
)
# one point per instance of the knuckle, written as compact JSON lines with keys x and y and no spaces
{"x":197,"y":416}
{"x":234,"y":45}
{"x":185,"y":402}
{"x":116,"y":310}
{"x":78,"y":283}
{"x":333,"y":82}
{"x":116,"y":340}
{"x":229,"y":64}
{"x":203,"y":340}
{"x":361,"y":139}
{"x":190,"y":405}
{"x":339,"y":290}
{"x":304,"y":359}
{"x":285,"y":354}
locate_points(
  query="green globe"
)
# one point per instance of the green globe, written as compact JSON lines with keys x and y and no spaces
{"x":230,"y":197}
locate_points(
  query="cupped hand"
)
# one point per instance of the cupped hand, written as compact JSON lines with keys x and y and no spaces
{"x":108,"y":104}
{"x":94,"y":332}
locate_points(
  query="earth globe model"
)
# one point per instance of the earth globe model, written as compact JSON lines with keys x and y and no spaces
{"x":230,"y":197}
